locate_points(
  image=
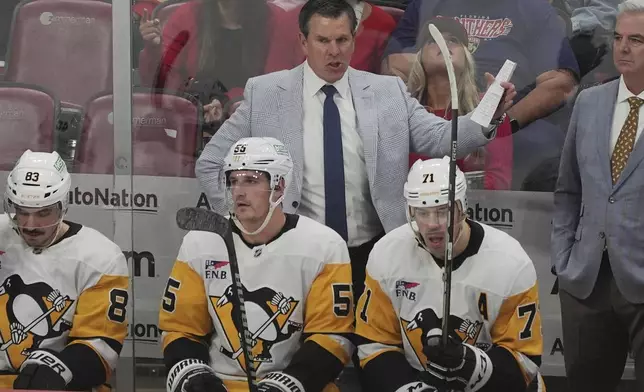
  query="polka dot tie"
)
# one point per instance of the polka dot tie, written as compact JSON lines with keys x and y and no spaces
{"x":626,"y":139}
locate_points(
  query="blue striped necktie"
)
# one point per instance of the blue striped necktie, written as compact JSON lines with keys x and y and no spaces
{"x":335,"y":206}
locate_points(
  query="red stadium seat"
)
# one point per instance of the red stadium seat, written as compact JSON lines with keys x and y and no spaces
{"x":397,"y":13}
{"x":166,"y":132}
{"x":163,"y":10}
{"x":64,"y":46}
{"x":27,"y":120}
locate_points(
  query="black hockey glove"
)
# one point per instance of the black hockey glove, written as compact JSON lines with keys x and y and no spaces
{"x":417,"y":386}
{"x":267,"y":388}
{"x":589,"y":49}
{"x":279,"y":382}
{"x":43,"y":370}
{"x":193,"y":375}
{"x":457,"y":366}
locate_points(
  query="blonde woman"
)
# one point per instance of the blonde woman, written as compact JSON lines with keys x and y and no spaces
{"x":429,"y":84}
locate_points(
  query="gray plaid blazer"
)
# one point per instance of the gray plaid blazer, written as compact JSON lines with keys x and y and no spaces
{"x":390,"y":122}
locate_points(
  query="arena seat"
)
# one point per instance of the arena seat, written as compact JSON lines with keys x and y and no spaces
{"x":64,"y":46}
{"x":27,"y":120}
{"x":166,"y":135}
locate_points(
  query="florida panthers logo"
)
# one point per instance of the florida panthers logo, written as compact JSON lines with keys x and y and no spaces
{"x":268,"y":314}
{"x":33,"y":312}
{"x":427,"y":323}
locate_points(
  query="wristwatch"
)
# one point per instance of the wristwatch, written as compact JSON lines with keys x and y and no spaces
{"x":514,"y":125}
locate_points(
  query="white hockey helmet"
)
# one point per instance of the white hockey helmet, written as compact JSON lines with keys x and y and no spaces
{"x":39,"y":179}
{"x":428,"y":184}
{"x":264,"y":154}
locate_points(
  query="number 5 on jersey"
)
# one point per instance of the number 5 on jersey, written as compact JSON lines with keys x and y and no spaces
{"x":170,"y":295}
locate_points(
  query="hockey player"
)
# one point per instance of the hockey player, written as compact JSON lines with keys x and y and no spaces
{"x":494,"y":322}
{"x":296,"y":278}
{"x":63,"y":286}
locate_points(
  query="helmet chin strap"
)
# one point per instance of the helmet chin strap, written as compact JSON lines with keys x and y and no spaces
{"x":273,"y":205}
{"x":53,"y":239}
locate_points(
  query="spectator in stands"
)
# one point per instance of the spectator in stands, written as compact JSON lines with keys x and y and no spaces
{"x":590,"y":25}
{"x":373,"y":31}
{"x":210,"y":48}
{"x":527,"y":32}
{"x":429,"y":84}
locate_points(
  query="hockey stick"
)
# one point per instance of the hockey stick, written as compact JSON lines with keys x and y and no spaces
{"x":255,"y":334}
{"x":31,"y":325}
{"x":447,"y":275}
{"x":198,"y":219}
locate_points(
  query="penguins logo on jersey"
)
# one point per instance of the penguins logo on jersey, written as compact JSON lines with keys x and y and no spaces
{"x":268,"y":313}
{"x":33,"y":312}
{"x":427,"y":323}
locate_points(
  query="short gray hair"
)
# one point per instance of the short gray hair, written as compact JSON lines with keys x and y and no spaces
{"x":631,"y":6}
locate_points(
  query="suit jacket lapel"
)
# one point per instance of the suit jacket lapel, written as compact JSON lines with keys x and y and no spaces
{"x":366,"y":118}
{"x":291,"y":113}
{"x":604,"y":119}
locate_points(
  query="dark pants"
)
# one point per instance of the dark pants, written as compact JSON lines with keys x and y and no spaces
{"x":359,"y":256}
{"x":598,"y":333}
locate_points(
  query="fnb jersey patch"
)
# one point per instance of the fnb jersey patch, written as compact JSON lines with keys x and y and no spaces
{"x":216,"y":269}
{"x":403,"y":289}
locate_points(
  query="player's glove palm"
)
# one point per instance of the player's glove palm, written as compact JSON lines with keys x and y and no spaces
{"x":456,"y":366}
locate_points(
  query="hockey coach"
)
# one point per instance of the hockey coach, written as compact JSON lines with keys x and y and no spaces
{"x":349,"y":133}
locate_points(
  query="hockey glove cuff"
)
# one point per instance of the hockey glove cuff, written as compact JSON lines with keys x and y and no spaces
{"x":43,"y":370}
{"x":193,"y":375}
{"x":278,"y":381}
{"x":417,"y":386}
{"x":458,"y":366}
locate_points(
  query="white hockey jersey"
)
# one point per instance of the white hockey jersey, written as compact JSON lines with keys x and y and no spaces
{"x":74,"y":292}
{"x":296,"y":288}
{"x":494,"y":301}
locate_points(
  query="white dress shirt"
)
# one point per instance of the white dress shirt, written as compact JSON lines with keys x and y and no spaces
{"x":363,"y":223}
{"x":622,"y":108}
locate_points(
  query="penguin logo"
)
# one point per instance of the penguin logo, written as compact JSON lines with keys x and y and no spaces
{"x":33,"y":312}
{"x":426,"y":323}
{"x":268,"y":313}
